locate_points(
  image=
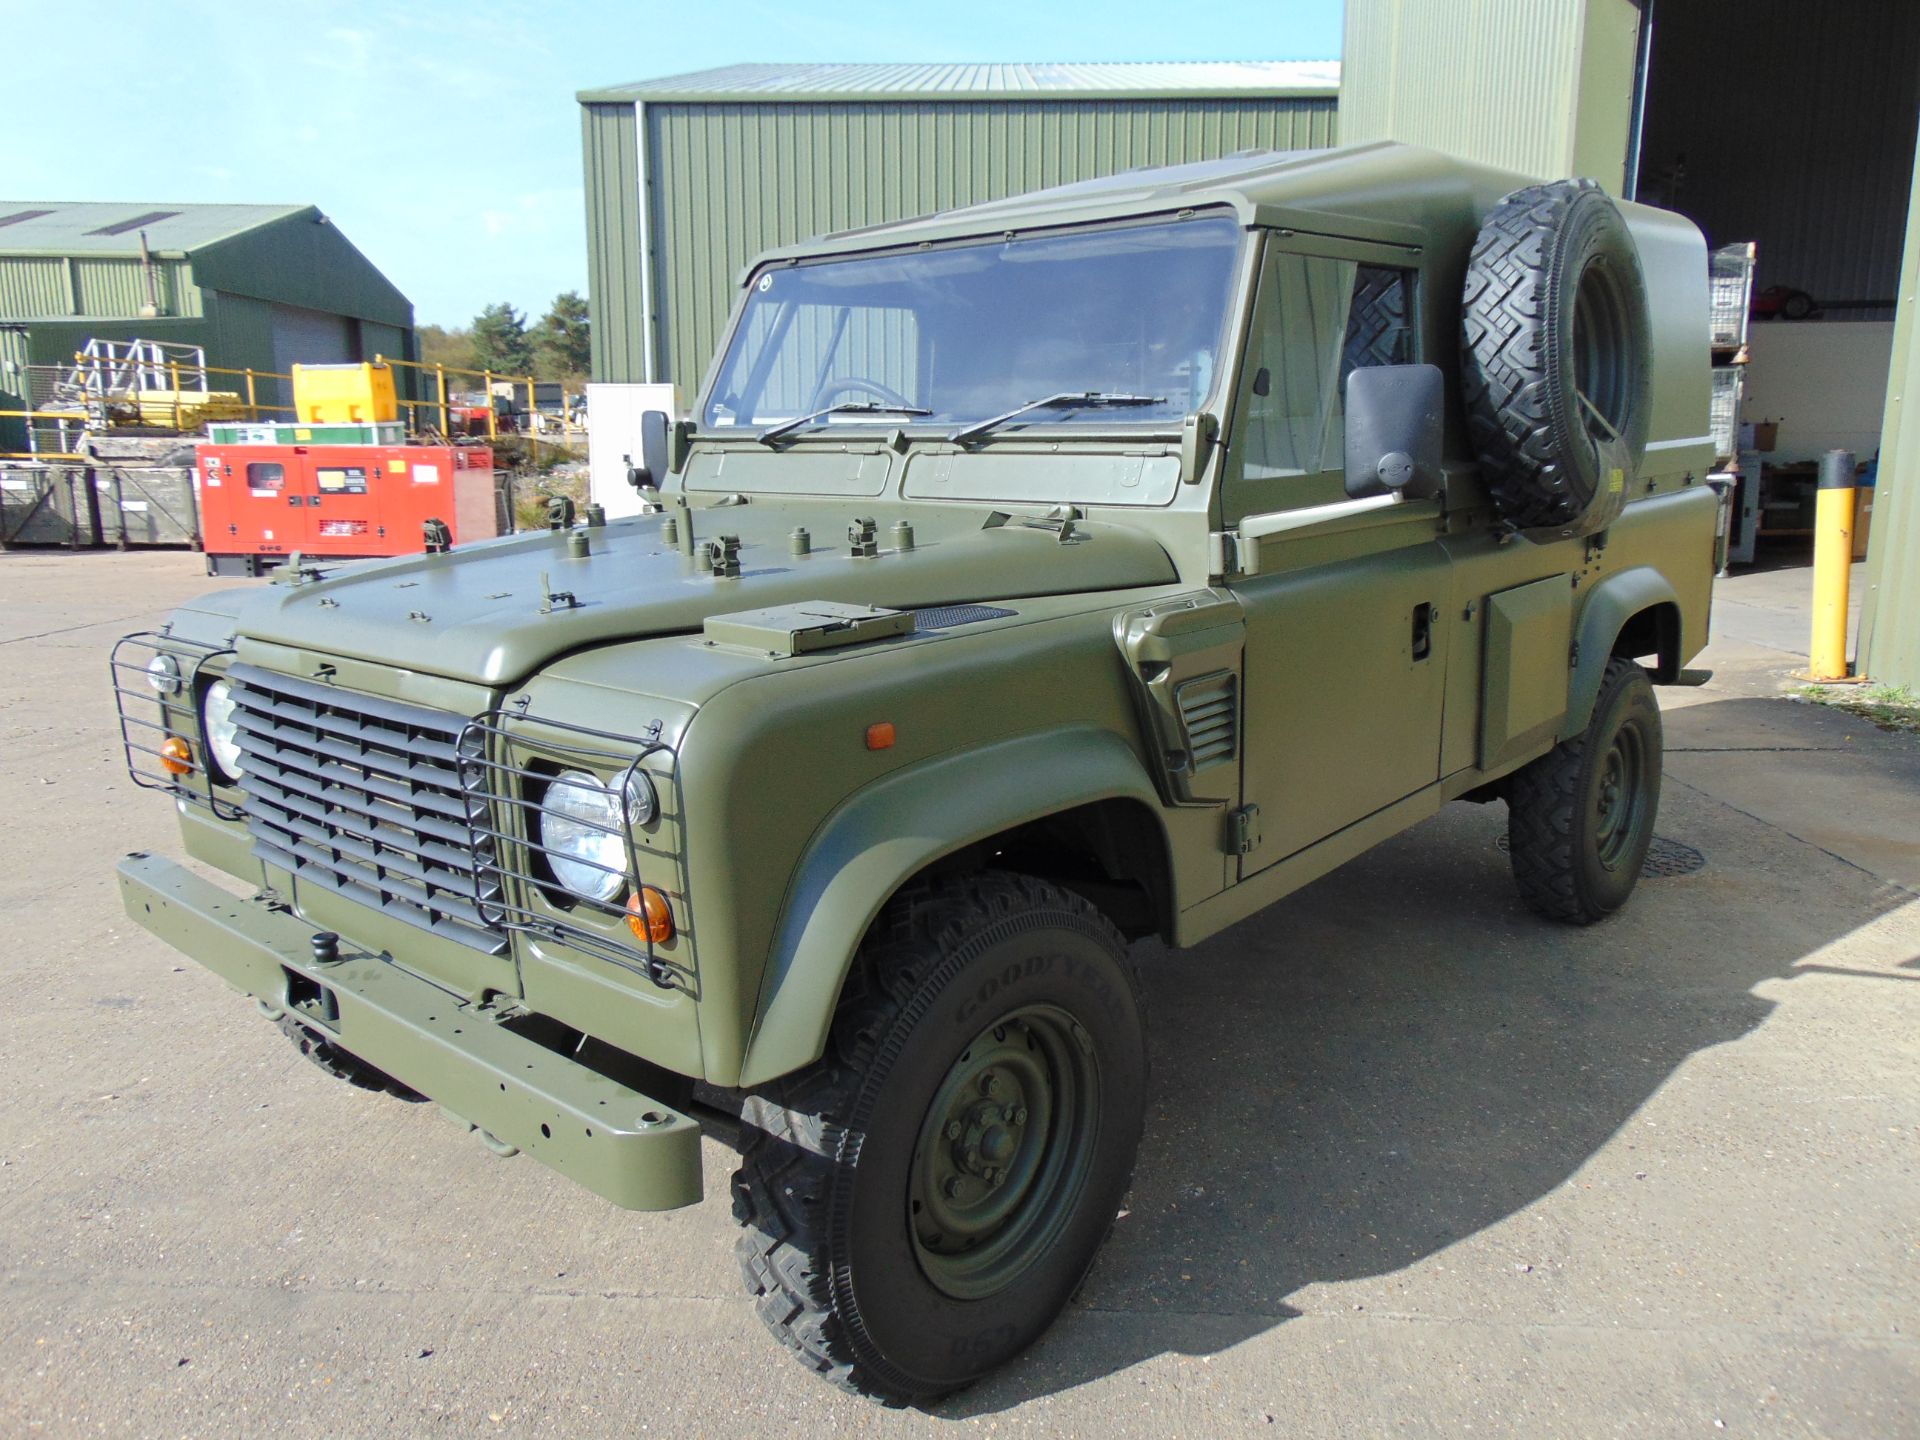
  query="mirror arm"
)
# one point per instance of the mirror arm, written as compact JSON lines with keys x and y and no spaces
{"x":1199,"y":433}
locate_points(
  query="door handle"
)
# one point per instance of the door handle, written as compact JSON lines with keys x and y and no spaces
{"x":1423,"y":630}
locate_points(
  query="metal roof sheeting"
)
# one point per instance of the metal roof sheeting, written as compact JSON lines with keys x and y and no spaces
{"x":1144,"y":80}
{"x":729,"y":180}
{"x":52,"y":227}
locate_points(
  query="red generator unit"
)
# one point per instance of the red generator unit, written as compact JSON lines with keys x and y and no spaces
{"x":261,"y":503}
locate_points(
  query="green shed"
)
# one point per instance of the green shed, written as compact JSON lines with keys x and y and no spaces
{"x":689,"y":177}
{"x":255,"y":286}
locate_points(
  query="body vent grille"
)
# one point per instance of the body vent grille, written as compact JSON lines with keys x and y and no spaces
{"x":1210,"y":718}
{"x":945,"y":617}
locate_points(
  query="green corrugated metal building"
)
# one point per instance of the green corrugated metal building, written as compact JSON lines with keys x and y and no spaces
{"x":689,"y":177}
{"x":255,"y":286}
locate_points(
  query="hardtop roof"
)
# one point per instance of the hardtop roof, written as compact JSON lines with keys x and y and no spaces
{"x":1383,"y":191}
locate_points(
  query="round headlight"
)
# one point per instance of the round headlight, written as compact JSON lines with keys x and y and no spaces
{"x":163,"y":673}
{"x":223,"y":735}
{"x":642,"y":805}
{"x":580,"y":826}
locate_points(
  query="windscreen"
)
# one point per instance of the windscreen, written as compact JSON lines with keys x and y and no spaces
{"x":968,"y":332}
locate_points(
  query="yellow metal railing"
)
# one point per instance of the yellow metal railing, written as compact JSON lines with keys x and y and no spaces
{"x":488,"y":379}
{"x":254,"y":407}
{"x":250,"y":378}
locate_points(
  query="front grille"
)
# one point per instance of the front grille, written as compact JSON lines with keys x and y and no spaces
{"x":362,"y":796}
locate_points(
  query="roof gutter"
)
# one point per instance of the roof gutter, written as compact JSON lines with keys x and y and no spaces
{"x":623,"y":95}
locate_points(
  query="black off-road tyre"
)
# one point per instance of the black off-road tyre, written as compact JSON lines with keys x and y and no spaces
{"x":1556,"y":358}
{"x":340,"y":1064}
{"x":1580,"y":818}
{"x":966,"y":996}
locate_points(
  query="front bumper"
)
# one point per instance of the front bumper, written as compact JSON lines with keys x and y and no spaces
{"x":620,"y":1144}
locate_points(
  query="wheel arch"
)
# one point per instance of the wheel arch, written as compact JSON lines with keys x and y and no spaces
{"x":956,"y":810}
{"x":1634,"y":613}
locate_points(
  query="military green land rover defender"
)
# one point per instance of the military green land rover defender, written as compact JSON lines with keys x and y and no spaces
{"x":1103,"y":563}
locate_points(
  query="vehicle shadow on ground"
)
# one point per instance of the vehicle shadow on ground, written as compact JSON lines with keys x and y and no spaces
{"x":1400,"y":1056}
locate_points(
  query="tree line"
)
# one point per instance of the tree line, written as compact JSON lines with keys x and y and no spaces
{"x":554,"y":347}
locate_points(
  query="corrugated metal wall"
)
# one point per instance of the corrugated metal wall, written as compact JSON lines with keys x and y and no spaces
{"x":116,"y":287}
{"x":33,"y":285}
{"x":1538,"y":86}
{"x":608,"y":137}
{"x":1793,"y":125}
{"x":1890,"y":609}
{"x":38,"y":285}
{"x":240,"y":336}
{"x":730,"y":180}
{"x":303,"y":260}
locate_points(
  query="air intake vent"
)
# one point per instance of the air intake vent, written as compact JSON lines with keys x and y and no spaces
{"x":1210,"y":717}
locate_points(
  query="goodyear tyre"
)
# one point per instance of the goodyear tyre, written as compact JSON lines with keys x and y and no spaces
{"x":922,"y":1203}
{"x":1555,"y":358}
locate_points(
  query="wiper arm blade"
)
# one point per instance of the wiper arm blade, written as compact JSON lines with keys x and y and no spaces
{"x":850,"y":407}
{"x":1065,"y":400}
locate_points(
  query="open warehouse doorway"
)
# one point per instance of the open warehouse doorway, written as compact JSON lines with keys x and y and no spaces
{"x":1791,"y":126}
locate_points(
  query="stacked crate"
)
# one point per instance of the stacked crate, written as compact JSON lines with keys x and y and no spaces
{"x":1730,"y":300}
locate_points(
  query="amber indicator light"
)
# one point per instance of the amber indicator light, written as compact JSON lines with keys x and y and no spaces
{"x":649,"y":916}
{"x":176,"y":756}
{"x":880,"y":735}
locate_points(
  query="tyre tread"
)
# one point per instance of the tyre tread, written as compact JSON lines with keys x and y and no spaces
{"x":799,"y":1130}
{"x":1511,"y":404}
{"x":1542,"y":799}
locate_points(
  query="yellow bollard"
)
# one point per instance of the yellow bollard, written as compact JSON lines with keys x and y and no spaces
{"x":1832,"y":566}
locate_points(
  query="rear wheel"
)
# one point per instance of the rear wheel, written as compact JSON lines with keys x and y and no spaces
{"x":1580,"y":818}
{"x":923,"y":1202}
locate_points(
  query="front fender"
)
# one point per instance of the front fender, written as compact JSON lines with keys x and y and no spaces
{"x":1610,"y":605}
{"x":889,"y":832}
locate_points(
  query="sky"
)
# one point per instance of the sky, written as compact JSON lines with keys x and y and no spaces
{"x":444,"y":139}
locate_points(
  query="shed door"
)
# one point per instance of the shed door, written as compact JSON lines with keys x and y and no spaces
{"x":311,"y":337}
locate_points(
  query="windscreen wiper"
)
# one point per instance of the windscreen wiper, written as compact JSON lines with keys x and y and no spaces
{"x":848,"y":407}
{"x":1066,"y":400}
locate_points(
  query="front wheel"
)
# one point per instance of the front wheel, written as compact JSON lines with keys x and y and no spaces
{"x":1580,"y":818}
{"x":923,"y":1202}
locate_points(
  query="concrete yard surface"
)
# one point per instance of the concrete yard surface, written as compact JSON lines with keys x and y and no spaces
{"x":1417,"y":1163}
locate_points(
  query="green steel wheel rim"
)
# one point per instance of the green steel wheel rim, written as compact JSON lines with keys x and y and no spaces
{"x":1620,"y":799}
{"x":1004,"y":1151}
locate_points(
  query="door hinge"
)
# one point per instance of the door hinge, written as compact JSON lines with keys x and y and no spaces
{"x":1573,"y":656}
{"x":1243,"y":830}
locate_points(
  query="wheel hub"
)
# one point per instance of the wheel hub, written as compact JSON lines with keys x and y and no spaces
{"x":1618,"y":807}
{"x":1002,"y":1150}
{"x":987,"y":1138}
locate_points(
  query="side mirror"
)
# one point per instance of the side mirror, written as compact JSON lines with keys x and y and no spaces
{"x":654,"y":463}
{"x":1395,"y":424}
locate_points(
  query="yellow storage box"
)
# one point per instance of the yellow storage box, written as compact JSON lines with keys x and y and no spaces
{"x":344,"y":394}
